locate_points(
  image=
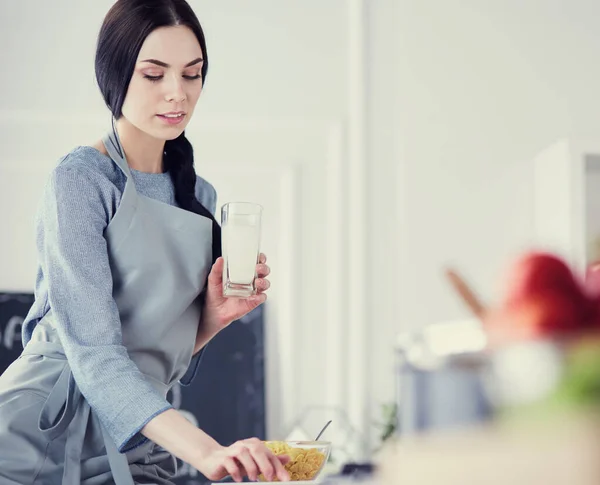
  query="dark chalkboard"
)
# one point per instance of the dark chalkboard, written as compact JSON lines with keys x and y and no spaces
{"x":13,"y":309}
{"x":226,"y":398}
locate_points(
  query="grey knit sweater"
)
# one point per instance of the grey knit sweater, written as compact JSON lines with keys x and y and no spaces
{"x":74,"y":279}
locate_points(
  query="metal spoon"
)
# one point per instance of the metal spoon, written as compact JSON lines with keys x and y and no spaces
{"x":323,"y":430}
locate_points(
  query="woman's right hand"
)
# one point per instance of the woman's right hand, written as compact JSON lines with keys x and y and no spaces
{"x":249,"y":458}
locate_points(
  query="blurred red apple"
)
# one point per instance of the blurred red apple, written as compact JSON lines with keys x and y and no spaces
{"x":551,"y":313}
{"x":543,"y":299}
{"x":537,"y":272}
{"x":543,"y":315}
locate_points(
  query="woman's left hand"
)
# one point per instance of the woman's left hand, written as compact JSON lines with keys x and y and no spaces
{"x":220,"y":311}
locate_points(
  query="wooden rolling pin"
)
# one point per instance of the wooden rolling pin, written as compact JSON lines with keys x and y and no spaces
{"x":466,"y":294}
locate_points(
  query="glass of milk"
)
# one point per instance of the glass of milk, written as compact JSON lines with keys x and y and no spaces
{"x":240,"y":237}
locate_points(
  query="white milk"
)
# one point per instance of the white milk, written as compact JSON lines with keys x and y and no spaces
{"x":241,"y":244}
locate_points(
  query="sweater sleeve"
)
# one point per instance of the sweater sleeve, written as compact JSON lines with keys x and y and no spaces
{"x":76,"y":263}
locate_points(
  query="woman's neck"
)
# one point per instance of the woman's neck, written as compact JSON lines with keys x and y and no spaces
{"x":144,"y":153}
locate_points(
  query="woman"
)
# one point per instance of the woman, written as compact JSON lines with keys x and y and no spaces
{"x":129,"y":282}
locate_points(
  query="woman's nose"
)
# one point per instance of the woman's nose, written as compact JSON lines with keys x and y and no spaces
{"x":175,"y":92}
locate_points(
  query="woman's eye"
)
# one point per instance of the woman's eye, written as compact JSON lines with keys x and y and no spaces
{"x":152,"y":78}
{"x":191,"y":78}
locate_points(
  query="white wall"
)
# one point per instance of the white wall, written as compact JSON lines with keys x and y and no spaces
{"x":430,"y":111}
{"x":483,"y":87}
{"x":478,"y":89}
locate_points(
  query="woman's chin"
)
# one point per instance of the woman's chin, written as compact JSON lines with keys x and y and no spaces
{"x":168,"y":132}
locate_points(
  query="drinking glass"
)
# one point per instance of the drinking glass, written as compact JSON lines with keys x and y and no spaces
{"x":240,"y":229}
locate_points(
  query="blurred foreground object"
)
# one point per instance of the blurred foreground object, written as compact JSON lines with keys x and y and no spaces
{"x":549,"y":315}
{"x":440,"y":374}
{"x":543,"y":299}
{"x":526,"y":453}
{"x":536,"y":352}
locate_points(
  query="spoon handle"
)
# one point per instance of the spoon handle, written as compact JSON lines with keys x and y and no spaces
{"x":323,"y":430}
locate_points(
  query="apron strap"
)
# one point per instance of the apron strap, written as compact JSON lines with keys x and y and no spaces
{"x":65,"y":404}
{"x":58,"y":411}
{"x":115,"y":151}
{"x":74,"y":445}
{"x":118,"y":462}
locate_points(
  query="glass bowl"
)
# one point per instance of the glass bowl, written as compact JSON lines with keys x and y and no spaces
{"x":307,"y":458}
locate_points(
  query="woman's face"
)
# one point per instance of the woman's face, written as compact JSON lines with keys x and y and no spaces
{"x":166,"y":83}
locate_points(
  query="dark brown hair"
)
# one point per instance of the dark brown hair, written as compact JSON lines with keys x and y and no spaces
{"x":125,"y":28}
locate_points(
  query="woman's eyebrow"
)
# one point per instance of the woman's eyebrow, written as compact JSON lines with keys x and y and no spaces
{"x":164,"y":64}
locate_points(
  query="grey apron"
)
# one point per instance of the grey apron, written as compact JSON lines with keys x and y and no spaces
{"x":160,"y":256}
